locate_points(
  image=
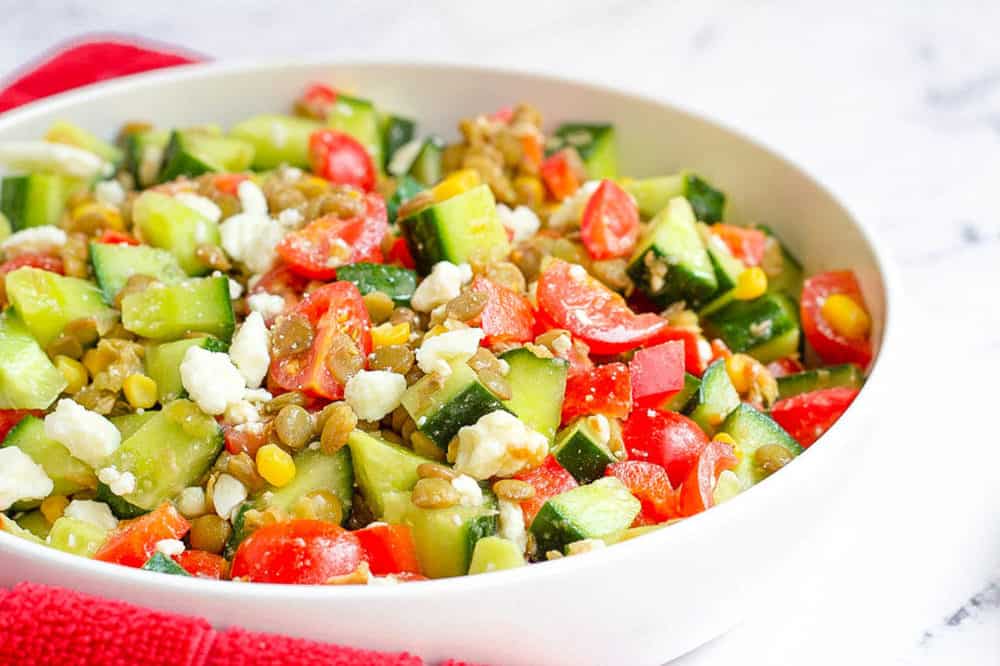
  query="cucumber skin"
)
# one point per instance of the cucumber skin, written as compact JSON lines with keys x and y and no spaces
{"x":751,"y":429}
{"x":537,"y":385}
{"x":607,"y":501}
{"x":407,"y":187}
{"x":578,"y":451}
{"x":160,"y":563}
{"x":735,"y":324}
{"x":393,"y":281}
{"x":28,"y":379}
{"x":715,"y":399}
{"x":464,"y":409}
{"x":846,"y":374}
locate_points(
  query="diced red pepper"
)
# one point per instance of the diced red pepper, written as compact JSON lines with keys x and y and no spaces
{"x":389,"y":549}
{"x":11,"y":417}
{"x":808,"y":415}
{"x":745,"y":244}
{"x":830,"y":345}
{"x":651,"y":486}
{"x":604,"y":389}
{"x":694,"y":362}
{"x":548,"y":479}
{"x":609,"y":227}
{"x":668,"y":439}
{"x":400,"y":254}
{"x":202,"y":564}
{"x":559,"y":176}
{"x":696,"y":493}
{"x":43,"y":261}
{"x":229,"y":183}
{"x":134,"y":542}
{"x":507,"y":315}
{"x":305,"y":552}
{"x":114,"y":237}
{"x":341,"y":159}
{"x":657,"y":371}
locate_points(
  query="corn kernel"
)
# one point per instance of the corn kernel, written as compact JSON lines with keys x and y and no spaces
{"x":846,"y":317}
{"x":750,"y":284}
{"x":436,"y":330}
{"x":53,"y":507}
{"x":73,"y":371}
{"x":725,"y":438}
{"x":388,"y":334}
{"x":458,"y":182}
{"x":101,"y":215}
{"x":739,"y":367}
{"x":140,"y":391}
{"x":275,"y":465}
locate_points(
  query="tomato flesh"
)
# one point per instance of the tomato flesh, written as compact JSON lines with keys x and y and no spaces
{"x":389,"y":549}
{"x":507,"y":315}
{"x":656,"y":372}
{"x":548,"y":479}
{"x":808,"y":415}
{"x":318,"y":100}
{"x":832,"y":347}
{"x":747,"y":245}
{"x":651,"y":486}
{"x":303,"y":552}
{"x":339,"y":158}
{"x":604,"y":389}
{"x":668,"y":439}
{"x":558,"y":175}
{"x":43,"y":261}
{"x":202,"y":564}
{"x":609,"y":227}
{"x":696,"y":493}
{"x":134,"y":542}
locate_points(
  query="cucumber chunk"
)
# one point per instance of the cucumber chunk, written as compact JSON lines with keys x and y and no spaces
{"x":751,"y":430}
{"x":114,"y":264}
{"x":715,"y":398}
{"x":767,"y":327}
{"x":671,"y":264}
{"x":34,"y":200}
{"x":594,"y":142}
{"x":682,"y":398}
{"x":172,"y":311}
{"x":128,"y":424}
{"x":168,"y":453}
{"x":144,"y":155}
{"x":445,"y":539}
{"x":68,"y":474}
{"x":458,"y":229}
{"x":382,"y":470}
{"x":77,"y":537}
{"x":589,"y":512}
{"x":440,"y":411}
{"x":847,"y":374}
{"x":653,"y":194}
{"x":537,"y":386}
{"x":167,"y":223}
{"x":192,"y":153}
{"x":420,"y":160}
{"x":34,"y":522}
{"x":582,"y":452}
{"x":47,"y":301}
{"x":65,"y":132}
{"x":783,"y":270}
{"x":160,"y":563}
{"x":396,"y":133}
{"x":357,"y":117}
{"x":28,"y":380}
{"x":315,"y":470}
{"x":8,"y":525}
{"x":163,"y":364}
{"x":494,"y":553}
{"x":395,"y":282}
{"x":277,"y":139}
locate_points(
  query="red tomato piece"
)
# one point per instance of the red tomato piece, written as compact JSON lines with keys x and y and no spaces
{"x":747,"y":245}
{"x":657,"y":371}
{"x":11,"y":417}
{"x":832,"y":347}
{"x":341,"y":159}
{"x":113,"y":237}
{"x":668,"y":439}
{"x":246,"y":438}
{"x":303,"y":552}
{"x":784,"y":366}
{"x":229,"y":183}
{"x":609,"y":227}
{"x":808,"y":415}
{"x":332,"y":309}
{"x":582,"y":305}
{"x":694,"y":362}
{"x":696,"y":492}
{"x":202,"y":564}
{"x":399,"y":253}
{"x":651,"y":486}
{"x":604,"y":389}
{"x":282,"y":281}
{"x":44,"y":261}
{"x":317,"y":100}
{"x":320,"y":247}
{"x":389,"y":549}
{"x":548,"y":479}
{"x":507,"y":315}
{"x":559,"y":176}
{"x":134,"y":542}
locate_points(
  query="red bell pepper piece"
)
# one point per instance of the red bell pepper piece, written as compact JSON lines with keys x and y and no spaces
{"x":548,"y":479}
{"x":246,"y":438}
{"x":134,"y":542}
{"x":747,"y":245}
{"x":656,"y":372}
{"x":389,"y":549}
{"x":808,"y":415}
{"x":651,"y":486}
{"x":507,"y":315}
{"x":668,"y":439}
{"x":830,"y":345}
{"x":400,"y":254}
{"x":559,"y":176}
{"x":305,"y":552}
{"x":694,"y":362}
{"x":604,"y":389}
{"x":696,"y":493}
{"x":202,"y":564}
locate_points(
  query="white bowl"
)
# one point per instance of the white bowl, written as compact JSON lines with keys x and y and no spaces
{"x":640,"y":602}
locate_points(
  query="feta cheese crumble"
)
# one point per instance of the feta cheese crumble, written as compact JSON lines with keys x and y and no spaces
{"x":211,"y":380}
{"x":21,"y":478}
{"x":442,"y":285}
{"x":251,"y":239}
{"x":201,"y":205}
{"x":238,"y":413}
{"x":33,"y":240}
{"x":436,"y":353}
{"x":290,"y":218}
{"x":170,"y":547}
{"x":374,"y":393}
{"x":499,"y":444}
{"x":192,"y":502}
{"x":227,"y":495}
{"x":522,"y":221}
{"x":469,"y":492}
{"x":110,"y":193}
{"x":120,"y":483}
{"x":571,"y":210}
{"x":95,"y":513}
{"x":250,"y":350}
{"x":88,"y":435}
{"x":512,"y":524}
{"x":252,"y":198}
{"x":268,"y":305}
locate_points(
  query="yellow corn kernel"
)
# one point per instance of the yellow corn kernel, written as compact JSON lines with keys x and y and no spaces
{"x":458,"y":182}
{"x":388,"y":334}
{"x":275,"y":465}
{"x":846,"y":317}
{"x":140,"y":391}
{"x":73,"y":371}
{"x":109,"y":216}
{"x":750,"y":284}
{"x":436,"y":330}
{"x":725,"y":438}
{"x":52,"y":507}
{"x":739,"y":367}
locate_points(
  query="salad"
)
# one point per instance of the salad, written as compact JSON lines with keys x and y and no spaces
{"x":322,"y":348}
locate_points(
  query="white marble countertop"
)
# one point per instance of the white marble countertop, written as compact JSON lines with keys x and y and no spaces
{"x":897,"y":108}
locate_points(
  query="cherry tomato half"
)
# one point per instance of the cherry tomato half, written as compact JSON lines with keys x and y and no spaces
{"x":304,"y":552}
{"x":609,"y":227}
{"x":341,"y":159}
{"x":832,"y":347}
{"x":696,"y":493}
{"x":507,"y":315}
{"x":668,"y":439}
{"x":747,"y":245}
{"x":134,"y":542}
{"x":389,"y":549}
{"x":44,"y":261}
{"x":282,"y":281}
{"x":808,"y":415}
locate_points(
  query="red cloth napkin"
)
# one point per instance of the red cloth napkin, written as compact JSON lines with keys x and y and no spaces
{"x":41,"y":625}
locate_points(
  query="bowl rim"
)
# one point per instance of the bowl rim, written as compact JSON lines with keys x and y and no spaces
{"x":566,"y":567}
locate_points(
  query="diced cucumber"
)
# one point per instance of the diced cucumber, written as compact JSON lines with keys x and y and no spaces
{"x":440,"y":411}
{"x":172,"y":311}
{"x":420,"y":160}
{"x":445,"y":539}
{"x":168,"y":453}
{"x":277,"y":139}
{"x":783,"y":270}
{"x":114,"y":264}
{"x":65,"y":132}
{"x":128,"y":424}
{"x":75,"y":536}
{"x":407,"y":187}
{"x":160,"y":563}
{"x":357,"y":117}
{"x":679,"y":400}
{"x":767,"y":327}
{"x":163,"y":364}
{"x":47,"y":301}
{"x":458,"y":229}
{"x":34,"y":200}
{"x":68,"y":474}
{"x":727,"y":267}
{"x":494,"y":553}
{"x":315,"y":470}
{"x":715,"y":398}
{"x":751,"y":430}
{"x":9,"y":526}
{"x":653,"y":195}
{"x":167,"y":223}
{"x":537,"y":388}
{"x":582,"y":452}
{"x":28,"y":380}
{"x":671,"y":264}
{"x":396,"y":132}
{"x":588,"y":512}
{"x":192,"y":153}
{"x":847,"y":374}
{"x":594,"y":142}
{"x":395,"y":282}
{"x":382,"y":469}
{"x":144,"y":155}
{"x":33,"y":521}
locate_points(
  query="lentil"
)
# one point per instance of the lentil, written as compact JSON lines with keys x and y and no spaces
{"x":294,"y":426}
{"x":209,"y":533}
{"x":340,"y":421}
{"x":434,"y":493}
{"x":513,"y":490}
{"x":379,"y":305}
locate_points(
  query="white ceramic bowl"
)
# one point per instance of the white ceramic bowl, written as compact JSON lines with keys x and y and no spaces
{"x":639,"y":602}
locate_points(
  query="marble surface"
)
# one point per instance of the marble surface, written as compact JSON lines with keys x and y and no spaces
{"x":896,"y":106}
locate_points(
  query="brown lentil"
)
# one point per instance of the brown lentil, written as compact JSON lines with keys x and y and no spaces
{"x":436,"y":471}
{"x":75,"y":255}
{"x":340,"y":421}
{"x":414,"y":204}
{"x":135,"y":284}
{"x":507,"y":275}
{"x":513,"y":490}
{"x":497,"y":384}
{"x":319,"y":505}
{"x":276,"y":404}
{"x":291,"y":334}
{"x":527,"y":257}
{"x":344,"y":359}
{"x":212,"y":256}
{"x":96,"y":400}
{"x":769,"y":458}
{"x":404,"y":315}
{"x":379,"y":306}
{"x":425,"y":446}
{"x":243,"y":468}
{"x":294,"y":426}
{"x":612,"y":273}
{"x":394,"y":358}
{"x":434,"y":493}
{"x":391,"y":436}
{"x":361,"y":514}
{"x":209,"y":533}
{"x":467,"y":305}
{"x":255,"y":519}
{"x":64,"y":345}
{"x":284,"y":197}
